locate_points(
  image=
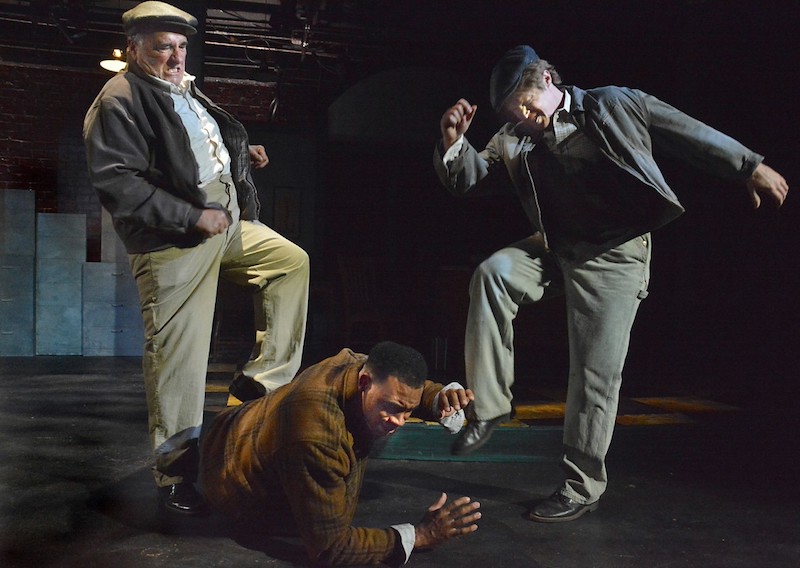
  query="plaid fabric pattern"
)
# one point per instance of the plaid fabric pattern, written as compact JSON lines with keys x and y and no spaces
{"x":295,"y":459}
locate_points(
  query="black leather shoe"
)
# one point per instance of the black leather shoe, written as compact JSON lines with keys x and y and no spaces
{"x":559,"y":508}
{"x":182,"y":498}
{"x":476,"y":434}
{"x":246,"y":388}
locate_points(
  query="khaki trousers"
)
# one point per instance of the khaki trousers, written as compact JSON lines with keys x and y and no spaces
{"x":602,"y":298}
{"x":177,"y":292}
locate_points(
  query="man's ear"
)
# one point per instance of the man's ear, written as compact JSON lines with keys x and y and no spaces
{"x":364,"y":380}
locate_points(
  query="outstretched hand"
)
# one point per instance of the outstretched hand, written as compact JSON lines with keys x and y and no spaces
{"x":768,"y":183}
{"x":455,"y":121}
{"x":443,"y":522}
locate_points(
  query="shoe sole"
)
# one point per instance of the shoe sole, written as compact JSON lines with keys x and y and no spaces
{"x":587,"y":509}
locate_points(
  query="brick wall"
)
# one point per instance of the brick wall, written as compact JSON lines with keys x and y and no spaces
{"x":37,"y":104}
{"x":41,"y":117}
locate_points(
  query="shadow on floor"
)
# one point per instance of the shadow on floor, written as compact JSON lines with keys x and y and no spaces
{"x":75,"y":490}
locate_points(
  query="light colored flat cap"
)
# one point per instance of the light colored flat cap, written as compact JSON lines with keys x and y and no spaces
{"x":158,"y":17}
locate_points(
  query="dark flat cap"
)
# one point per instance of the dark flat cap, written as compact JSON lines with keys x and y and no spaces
{"x":153,"y":16}
{"x":507,"y":74}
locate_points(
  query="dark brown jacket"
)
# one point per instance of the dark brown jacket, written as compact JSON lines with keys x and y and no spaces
{"x":142,"y":166}
{"x":297,"y":457}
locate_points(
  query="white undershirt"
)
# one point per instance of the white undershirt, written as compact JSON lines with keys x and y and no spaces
{"x":204,"y":134}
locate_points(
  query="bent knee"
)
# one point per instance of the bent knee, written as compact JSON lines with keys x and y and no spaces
{"x":297,"y":259}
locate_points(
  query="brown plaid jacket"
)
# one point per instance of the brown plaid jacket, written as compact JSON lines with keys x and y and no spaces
{"x":295,"y":461}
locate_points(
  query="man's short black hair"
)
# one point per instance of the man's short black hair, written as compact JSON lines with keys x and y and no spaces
{"x":392,"y":359}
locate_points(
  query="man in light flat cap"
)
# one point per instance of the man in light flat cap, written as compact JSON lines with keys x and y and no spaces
{"x":582,"y":165}
{"x":174,"y":171}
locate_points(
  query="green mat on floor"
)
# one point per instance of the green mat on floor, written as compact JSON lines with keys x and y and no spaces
{"x":430,"y":442}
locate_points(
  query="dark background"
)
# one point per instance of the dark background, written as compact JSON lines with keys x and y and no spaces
{"x":721,"y":317}
{"x":351,"y":173}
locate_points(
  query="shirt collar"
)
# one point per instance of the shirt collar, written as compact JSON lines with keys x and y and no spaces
{"x":181,"y":89}
{"x":566,"y":107}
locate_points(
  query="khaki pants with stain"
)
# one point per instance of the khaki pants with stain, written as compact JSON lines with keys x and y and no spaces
{"x":177,"y":291}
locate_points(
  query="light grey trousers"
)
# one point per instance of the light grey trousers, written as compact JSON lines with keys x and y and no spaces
{"x":602,"y":296}
{"x":177,"y":291}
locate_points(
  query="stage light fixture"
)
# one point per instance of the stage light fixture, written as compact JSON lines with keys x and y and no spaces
{"x":114,"y":65}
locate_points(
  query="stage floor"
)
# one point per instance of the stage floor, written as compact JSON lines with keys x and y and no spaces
{"x":694,"y":482}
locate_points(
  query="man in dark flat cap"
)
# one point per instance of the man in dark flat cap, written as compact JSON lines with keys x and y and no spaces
{"x":581,"y":163}
{"x":173,"y":169}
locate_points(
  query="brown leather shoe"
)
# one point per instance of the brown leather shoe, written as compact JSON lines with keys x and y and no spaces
{"x":475,"y":434}
{"x":182,"y":498}
{"x":559,"y":508}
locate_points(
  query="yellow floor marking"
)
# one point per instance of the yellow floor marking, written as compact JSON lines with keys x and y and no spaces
{"x":684,"y":404}
{"x":676,"y":407}
{"x":652,"y":419}
{"x":540,"y":411}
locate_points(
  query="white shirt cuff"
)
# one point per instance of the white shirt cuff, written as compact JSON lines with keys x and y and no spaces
{"x":453,"y":150}
{"x":455,"y":421}
{"x":407,"y":538}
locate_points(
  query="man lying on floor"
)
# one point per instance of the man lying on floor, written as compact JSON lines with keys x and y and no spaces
{"x":295,"y":459}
